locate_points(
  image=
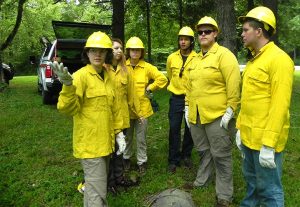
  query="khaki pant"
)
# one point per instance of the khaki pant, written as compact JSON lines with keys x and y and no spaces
{"x":141,"y":144}
{"x":95,"y":176}
{"x":214,"y":145}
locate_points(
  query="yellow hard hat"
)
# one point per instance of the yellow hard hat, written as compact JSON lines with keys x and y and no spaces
{"x":186,"y":31}
{"x":98,"y":40}
{"x":134,"y":42}
{"x":209,"y":21}
{"x":261,"y":14}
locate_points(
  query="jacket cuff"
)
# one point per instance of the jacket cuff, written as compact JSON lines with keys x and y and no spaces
{"x":270,"y":139}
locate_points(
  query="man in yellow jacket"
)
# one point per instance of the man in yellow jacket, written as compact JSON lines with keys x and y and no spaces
{"x":143,"y":73}
{"x":263,"y":121}
{"x":213,"y":94}
{"x":177,"y":63}
{"x":89,"y":97}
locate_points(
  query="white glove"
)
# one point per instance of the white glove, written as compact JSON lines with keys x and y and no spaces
{"x":62,"y":73}
{"x":186,"y":115}
{"x":266,"y":157}
{"x":226,"y":118}
{"x":120,"y":138}
{"x":238,"y":140}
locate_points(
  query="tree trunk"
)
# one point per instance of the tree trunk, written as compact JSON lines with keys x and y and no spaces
{"x":273,"y":5}
{"x":12,"y":34}
{"x":180,"y":12}
{"x":227,"y":24}
{"x":16,"y":27}
{"x":250,"y":5}
{"x":149,"y":30}
{"x":118,"y":19}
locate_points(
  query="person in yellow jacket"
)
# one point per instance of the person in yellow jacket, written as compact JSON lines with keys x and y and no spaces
{"x":263,"y":121}
{"x":124,"y":91}
{"x":177,"y":63}
{"x":143,"y":73}
{"x":213,"y":95}
{"x":88,"y":95}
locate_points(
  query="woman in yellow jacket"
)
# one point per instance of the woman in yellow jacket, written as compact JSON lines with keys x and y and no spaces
{"x":143,"y":72}
{"x":88,"y":95}
{"x":213,"y":94}
{"x":123,"y":81}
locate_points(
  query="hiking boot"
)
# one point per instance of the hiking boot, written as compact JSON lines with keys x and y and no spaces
{"x":222,"y":203}
{"x":126,"y":164}
{"x":171,"y":168}
{"x":142,"y":168}
{"x":188,"y":163}
{"x":113,"y":190}
{"x":127,"y":182}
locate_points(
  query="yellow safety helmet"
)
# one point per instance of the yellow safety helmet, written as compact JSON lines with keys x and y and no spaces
{"x":208,"y":20}
{"x":261,"y":14}
{"x":186,"y":31}
{"x":98,"y":40}
{"x":134,"y":42}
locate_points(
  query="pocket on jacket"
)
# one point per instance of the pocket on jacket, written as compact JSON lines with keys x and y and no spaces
{"x":96,"y":98}
{"x":259,"y":75}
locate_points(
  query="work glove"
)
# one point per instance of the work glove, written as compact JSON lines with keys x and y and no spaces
{"x":186,"y":115}
{"x":226,"y":118}
{"x":62,"y":73}
{"x":148,"y":94}
{"x":238,"y":140}
{"x":266,"y":157}
{"x":120,"y":139}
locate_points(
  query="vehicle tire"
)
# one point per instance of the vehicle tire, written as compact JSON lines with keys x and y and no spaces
{"x":47,"y":97}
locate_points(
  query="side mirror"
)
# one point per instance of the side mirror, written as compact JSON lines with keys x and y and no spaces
{"x":32,"y":60}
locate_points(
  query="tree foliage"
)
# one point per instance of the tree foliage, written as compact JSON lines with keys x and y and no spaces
{"x":165,"y":23}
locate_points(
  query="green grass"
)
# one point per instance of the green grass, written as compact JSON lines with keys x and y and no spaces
{"x":37,"y":167}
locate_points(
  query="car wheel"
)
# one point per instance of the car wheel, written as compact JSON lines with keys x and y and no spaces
{"x":47,"y":97}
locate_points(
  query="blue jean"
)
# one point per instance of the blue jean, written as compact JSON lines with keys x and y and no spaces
{"x":176,"y":113}
{"x":264,"y":186}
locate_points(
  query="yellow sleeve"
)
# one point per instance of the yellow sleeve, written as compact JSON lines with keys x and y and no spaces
{"x":70,"y":97}
{"x":159,"y":78}
{"x":281,"y":80}
{"x":168,"y":68}
{"x":231,"y":74}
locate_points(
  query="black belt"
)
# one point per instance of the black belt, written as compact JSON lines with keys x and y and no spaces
{"x":178,"y":96}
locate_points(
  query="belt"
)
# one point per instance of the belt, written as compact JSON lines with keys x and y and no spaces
{"x":182,"y":96}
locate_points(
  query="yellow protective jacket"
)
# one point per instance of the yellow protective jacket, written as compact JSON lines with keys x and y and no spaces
{"x":143,"y":72}
{"x":265,"y":101}
{"x":177,"y":85}
{"x":124,"y":90}
{"x":213,"y":85}
{"x":91,"y":102}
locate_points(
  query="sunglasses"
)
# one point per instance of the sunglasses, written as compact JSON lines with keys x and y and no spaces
{"x":206,"y":32}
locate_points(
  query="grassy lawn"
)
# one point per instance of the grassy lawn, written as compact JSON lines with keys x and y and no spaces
{"x":37,"y":167}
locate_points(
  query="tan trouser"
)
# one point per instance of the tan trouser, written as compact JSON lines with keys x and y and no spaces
{"x":141,"y":144}
{"x":95,"y":176}
{"x":214,"y":145}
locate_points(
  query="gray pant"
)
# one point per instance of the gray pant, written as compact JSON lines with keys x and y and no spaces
{"x":141,"y":144}
{"x":95,"y":176}
{"x":214,"y":145}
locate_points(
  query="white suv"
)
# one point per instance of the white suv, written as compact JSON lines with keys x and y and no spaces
{"x":67,"y":48}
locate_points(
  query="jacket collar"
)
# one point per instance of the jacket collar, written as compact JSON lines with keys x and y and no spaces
{"x":264,"y":48}
{"x":192,"y":54}
{"x":92,"y":71}
{"x":141,"y":63}
{"x":213,"y":49}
